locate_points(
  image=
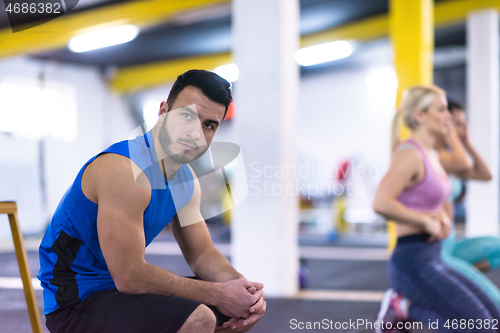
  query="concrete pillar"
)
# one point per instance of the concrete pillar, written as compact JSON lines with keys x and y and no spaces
{"x":482,"y":111}
{"x":264,"y":226}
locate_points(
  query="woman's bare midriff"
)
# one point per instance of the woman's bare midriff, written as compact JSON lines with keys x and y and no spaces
{"x":406,"y":230}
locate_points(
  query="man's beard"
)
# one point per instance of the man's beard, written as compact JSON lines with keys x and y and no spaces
{"x":166,"y":142}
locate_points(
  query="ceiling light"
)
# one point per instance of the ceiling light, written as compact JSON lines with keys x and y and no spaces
{"x":229,"y":72}
{"x":103,"y":38}
{"x":318,"y":54}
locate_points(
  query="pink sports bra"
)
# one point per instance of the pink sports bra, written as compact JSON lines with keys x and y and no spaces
{"x":430,"y":193}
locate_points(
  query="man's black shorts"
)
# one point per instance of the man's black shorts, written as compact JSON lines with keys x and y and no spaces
{"x":113,"y":312}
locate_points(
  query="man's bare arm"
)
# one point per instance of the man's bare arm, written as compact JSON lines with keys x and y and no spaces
{"x":121,"y":204}
{"x":193,"y":237}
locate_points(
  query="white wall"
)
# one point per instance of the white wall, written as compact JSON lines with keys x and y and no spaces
{"x":340,"y":117}
{"x":102,"y":120}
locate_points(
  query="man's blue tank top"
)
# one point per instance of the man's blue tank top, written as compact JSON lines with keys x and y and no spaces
{"x":72,"y":265}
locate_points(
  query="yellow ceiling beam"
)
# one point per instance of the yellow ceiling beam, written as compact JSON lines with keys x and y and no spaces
{"x":56,"y":34}
{"x":451,"y":12}
{"x":445,"y":13}
{"x":154,"y":74}
{"x":370,"y":28}
{"x":145,"y":76}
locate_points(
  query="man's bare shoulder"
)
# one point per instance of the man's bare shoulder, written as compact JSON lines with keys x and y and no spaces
{"x":114,"y":175}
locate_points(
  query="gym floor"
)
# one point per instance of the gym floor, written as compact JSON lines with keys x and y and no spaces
{"x":346,"y":282}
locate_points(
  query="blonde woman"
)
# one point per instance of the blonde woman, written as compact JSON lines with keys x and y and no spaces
{"x":413,"y":193}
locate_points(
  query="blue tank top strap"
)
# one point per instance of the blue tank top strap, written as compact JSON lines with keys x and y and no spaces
{"x":138,"y":150}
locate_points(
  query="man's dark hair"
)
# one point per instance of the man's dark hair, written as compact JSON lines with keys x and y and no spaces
{"x":211,"y":85}
{"x":454,"y":106}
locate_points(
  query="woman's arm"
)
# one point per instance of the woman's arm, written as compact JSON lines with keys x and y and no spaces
{"x":455,"y":159}
{"x":404,"y":166}
{"x":479,"y":170}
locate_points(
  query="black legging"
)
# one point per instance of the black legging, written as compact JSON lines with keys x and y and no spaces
{"x":436,"y":291}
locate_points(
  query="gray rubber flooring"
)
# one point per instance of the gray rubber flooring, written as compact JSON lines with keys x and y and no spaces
{"x":324,"y":274}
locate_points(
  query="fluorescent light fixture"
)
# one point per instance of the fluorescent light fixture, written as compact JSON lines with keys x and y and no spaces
{"x":150,"y":112}
{"x":318,"y":54}
{"x":229,"y":72}
{"x":103,"y":38}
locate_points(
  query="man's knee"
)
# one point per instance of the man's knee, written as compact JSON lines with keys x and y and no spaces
{"x":201,"y":320}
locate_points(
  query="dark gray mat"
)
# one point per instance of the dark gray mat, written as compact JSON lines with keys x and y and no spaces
{"x":14,"y":313}
{"x":347,"y":274}
{"x":324,"y":274}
